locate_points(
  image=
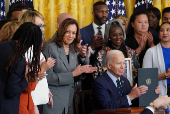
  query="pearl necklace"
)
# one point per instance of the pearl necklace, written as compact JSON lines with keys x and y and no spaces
{"x":67,"y":50}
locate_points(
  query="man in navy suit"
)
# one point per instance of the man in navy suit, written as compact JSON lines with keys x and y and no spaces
{"x":112,"y":90}
{"x":93,"y":35}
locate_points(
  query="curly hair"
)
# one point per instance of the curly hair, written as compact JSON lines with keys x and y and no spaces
{"x":8,"y":30}
{"x":125,"y":19}
{"x":63,"y":29}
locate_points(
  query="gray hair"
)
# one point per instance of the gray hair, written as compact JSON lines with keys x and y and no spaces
{"x":112,"y":23}
{"x":110,"y":55}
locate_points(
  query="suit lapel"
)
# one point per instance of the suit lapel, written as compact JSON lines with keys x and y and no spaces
{"x":63,"y":57}
{"x":90,"y":30}
{"x":112,"y":85}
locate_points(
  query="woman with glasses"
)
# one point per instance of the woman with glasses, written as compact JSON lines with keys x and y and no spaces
{"x":38,"y":19}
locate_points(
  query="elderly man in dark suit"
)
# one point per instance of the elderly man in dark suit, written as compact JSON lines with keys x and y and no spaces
{"x":112,"y":90}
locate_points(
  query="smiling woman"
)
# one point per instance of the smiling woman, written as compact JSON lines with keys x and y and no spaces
{"x":114,"y":40}
{"x":65,"y":48}
{"x":158,"y":57}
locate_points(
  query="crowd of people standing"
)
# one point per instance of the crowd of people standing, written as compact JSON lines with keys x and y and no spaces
{"x":77,"y":59}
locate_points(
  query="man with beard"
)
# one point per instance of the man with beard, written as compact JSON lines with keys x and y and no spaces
{"x":93,"y":33}
{"x":93,"y":36}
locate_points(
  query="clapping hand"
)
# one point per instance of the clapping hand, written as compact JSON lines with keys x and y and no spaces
{"x":83,"y":69}
{"x":97,"y":41}
{"x":150,"y":39}
{"x":83,"y":50}
{"x":158,"y":90}
{"x":46,"y":65}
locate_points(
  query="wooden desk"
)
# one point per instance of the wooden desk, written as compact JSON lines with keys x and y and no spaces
{"x":132,"y":110}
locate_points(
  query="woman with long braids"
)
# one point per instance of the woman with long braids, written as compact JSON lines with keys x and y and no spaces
{"x":41,"y":89}
{"x":13,"y":65}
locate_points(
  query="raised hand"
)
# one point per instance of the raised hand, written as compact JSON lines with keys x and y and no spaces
{"x":46,"y":65}
{"x":142,"y":42}
{"x":83,"y":50}
{"x":83,"y":69}
{"x":158,"y":90}
{"x":150,"y":39}
{"x":137,"y":91}
{"x":98,"y":41}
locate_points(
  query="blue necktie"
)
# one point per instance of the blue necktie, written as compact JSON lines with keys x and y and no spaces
{"x":119,"y":87}
{"x":99,"y":31}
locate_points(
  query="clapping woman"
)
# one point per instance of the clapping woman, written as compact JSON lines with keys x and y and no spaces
{"x":70,"y":65}
{"x":138,"y":36}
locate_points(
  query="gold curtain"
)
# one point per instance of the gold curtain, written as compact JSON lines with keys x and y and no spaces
{"x":81,"y":10}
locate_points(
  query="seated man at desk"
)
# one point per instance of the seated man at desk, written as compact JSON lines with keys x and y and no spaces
{"x":112,"y":90}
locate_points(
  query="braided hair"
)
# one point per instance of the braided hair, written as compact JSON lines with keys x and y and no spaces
{"x":28,"y":35}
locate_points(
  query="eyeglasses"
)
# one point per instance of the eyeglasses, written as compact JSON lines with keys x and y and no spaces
{"x":42,"y":26}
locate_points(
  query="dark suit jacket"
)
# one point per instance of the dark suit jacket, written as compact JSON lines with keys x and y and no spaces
{"x":105,"y":93}
{"x":146,"y":111}
{"x":87,"y":34}
{"x":12,"y":83}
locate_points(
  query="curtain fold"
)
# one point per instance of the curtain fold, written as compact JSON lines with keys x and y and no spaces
{"x":81,"y":10}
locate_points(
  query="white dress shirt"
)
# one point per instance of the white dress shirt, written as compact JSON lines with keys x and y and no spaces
{"x":95,"y":32}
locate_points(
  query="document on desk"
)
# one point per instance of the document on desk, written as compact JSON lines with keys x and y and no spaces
{"x":148,"y":77}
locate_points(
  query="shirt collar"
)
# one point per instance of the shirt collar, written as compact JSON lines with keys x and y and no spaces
{"x":95,"y":26}
{"x":113,"y":77}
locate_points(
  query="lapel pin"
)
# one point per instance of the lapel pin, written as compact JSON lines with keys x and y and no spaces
{"x":122,"y":81}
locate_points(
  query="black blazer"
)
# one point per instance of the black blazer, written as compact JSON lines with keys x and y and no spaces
{"x":12,"y":83}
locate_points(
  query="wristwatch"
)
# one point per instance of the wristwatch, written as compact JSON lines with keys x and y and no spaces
{"x":152,"y":105}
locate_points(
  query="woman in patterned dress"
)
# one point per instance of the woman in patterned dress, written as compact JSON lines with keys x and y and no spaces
{"x":114,"y":39}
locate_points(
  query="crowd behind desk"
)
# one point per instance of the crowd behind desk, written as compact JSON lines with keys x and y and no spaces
{"x":132,"y":110}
